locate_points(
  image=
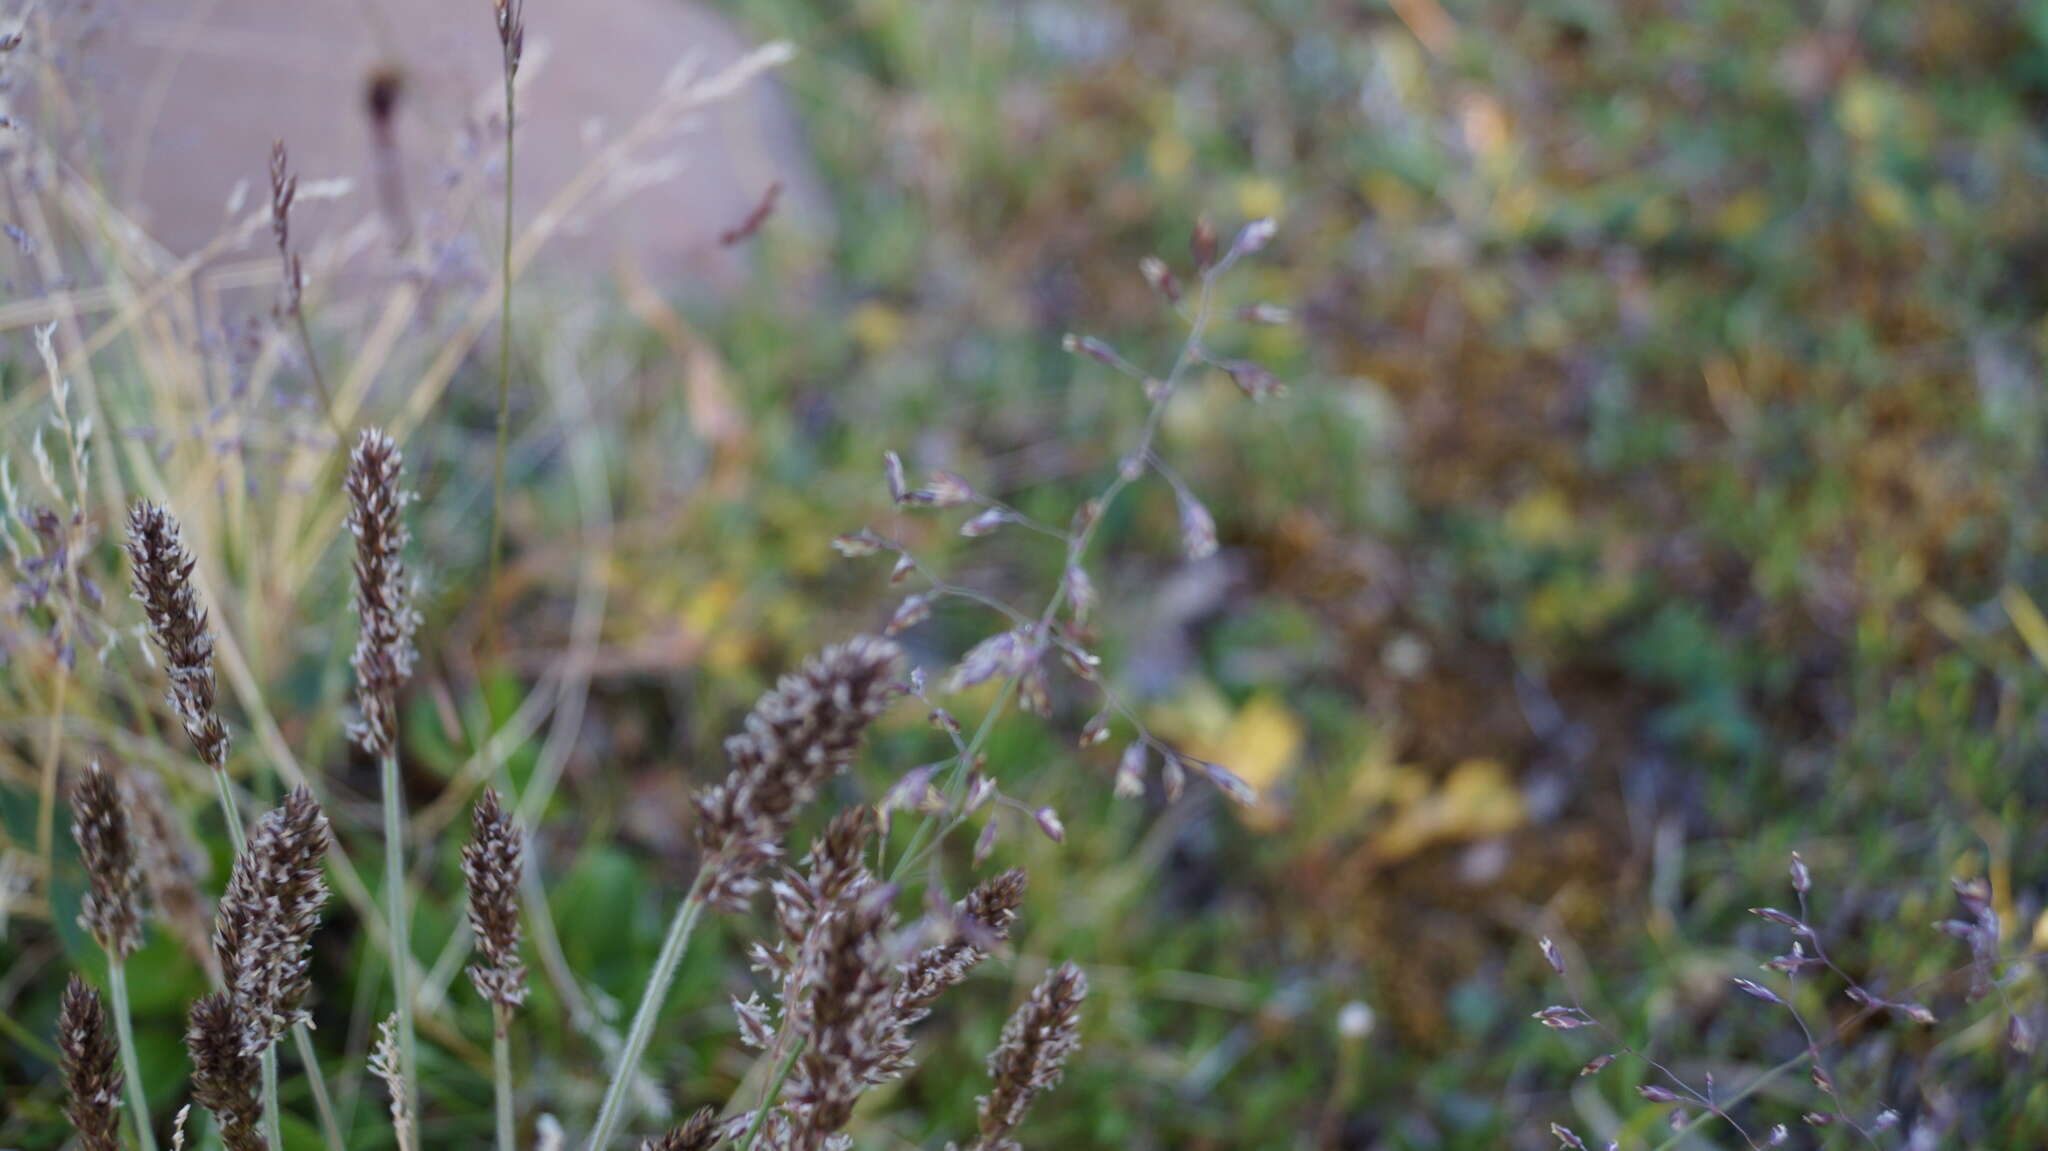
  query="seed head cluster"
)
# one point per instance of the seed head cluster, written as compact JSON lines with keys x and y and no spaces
{"x":112,"y":908}
{"x":846,"y":1015}
{"x":798,"y":736}
{"x":162,"y":575}
{"x":1028,"y":1060}
{"x":700,"y":1132}
{"x":490,"y":867}
{"x":383,"y":659}
{"x":980,"y":921}
{"x":266,"y":920}
{"x":92,"y":1077}
{"x":226,"y":1080}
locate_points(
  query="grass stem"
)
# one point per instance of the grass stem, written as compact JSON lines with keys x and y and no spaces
{"x":131,"y":1067}
{"x":273,"y":1117}
{"x":687,"y":913}
{"x":501,"y":1072}
{"x":330,"y":1126}
{"x":399,"y":925}
{"x":504,"y":356}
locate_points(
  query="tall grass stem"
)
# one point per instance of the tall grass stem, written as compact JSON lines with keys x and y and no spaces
{"x":131,"y":1067}
{"x":687,"y":913}
{"x":501,"y":1072}
{"x":398,"y":925}
{"x":504,"y":359}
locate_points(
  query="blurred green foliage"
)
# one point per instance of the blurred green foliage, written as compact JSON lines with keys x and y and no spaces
{"x":1653,"y":498}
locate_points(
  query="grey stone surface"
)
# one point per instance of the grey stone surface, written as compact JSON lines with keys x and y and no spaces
{"x":187,"y":95}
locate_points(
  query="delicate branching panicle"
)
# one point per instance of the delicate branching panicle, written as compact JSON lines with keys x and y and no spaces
{"x":384,"y":653}
{"x":490,"y":865}
{"x":112,"y":908}
{"x":387,"y":1064}
{"x":700,"y":1132}
{"x":92,"y":1077}
{"x":163,"y":582}
{"x":226,"y":1080}
{"x":798,"y":736}
{"x":267,"y":917}
{"x":1035,"y":1046}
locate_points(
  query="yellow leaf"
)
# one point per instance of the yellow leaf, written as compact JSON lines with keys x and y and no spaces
{"x":876,"y":327}
{"x":1540,"y":519}
{"x":1379,"y":783}
{"x":1477,"y":800}
{"x":1261,"y":742}
{"x":2027,"y":620}
{"x":1169,"y":155}
{"x":1258,"y":197}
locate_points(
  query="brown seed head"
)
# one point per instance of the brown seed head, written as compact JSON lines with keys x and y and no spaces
{"x":980,"y":921}
{"x":266,"y":920}
{"x":92,"y":1077}
{"x":798,"y":736}
{"x":177,"y":623}
{"x":510,"y":17}
{"x":699,"y":1133}
{"x":844,"y":1016}
{"x":490,"y":866}
{"x":384,"y":653}
{"x":1034,"y":1048}
{"x":112,"y":908}
{"x":225,"y":1079}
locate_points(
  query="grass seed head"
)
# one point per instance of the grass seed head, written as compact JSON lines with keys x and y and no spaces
{"x":800,"y":735}
{"x":162,"y":578}
{"x":264,"y":927}
{"x":92,"y":1074}
{"x":490,"y":868}
{"x":112,"y":908}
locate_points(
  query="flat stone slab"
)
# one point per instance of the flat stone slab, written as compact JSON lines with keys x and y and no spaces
{"x":184,"y":99}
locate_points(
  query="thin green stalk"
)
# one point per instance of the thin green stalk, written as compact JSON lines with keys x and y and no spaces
{"x":273,"y":1120}
{"x":501,"y":1071}
{"x":46,"y":820}
{"x":679,"y":929}
{"x":768,"y":1097}
{"x":399,"y":926}
{"x":330,"y":1127}
{"x":313,"y":370}
{"x":221,"y":791}
{"x":131,"y":1068}
{"x":504,"y":354}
